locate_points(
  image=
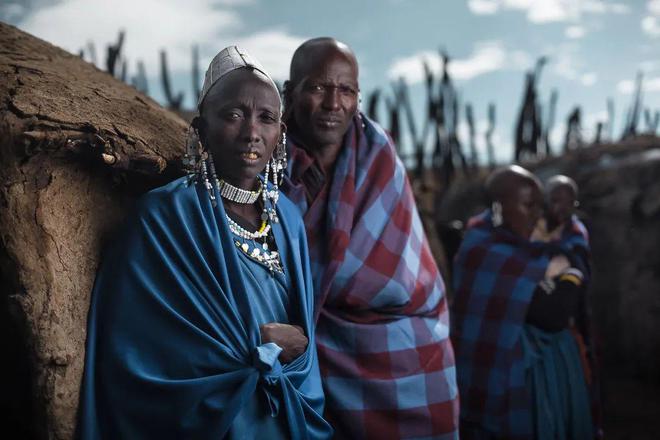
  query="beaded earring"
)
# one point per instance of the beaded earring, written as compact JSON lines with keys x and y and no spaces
{"x":191,"y":159}
{"x":496,"y":209}
{"x":206,"y":157}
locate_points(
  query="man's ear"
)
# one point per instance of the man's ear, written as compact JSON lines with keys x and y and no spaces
{"x":287,"y":97}
{"x":286,"y":88}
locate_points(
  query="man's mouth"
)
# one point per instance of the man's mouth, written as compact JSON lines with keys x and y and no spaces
{"x":329,"y":122}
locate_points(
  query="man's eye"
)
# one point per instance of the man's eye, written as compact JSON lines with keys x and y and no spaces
{"x":316,"y":88}
{"x":346,"y":90}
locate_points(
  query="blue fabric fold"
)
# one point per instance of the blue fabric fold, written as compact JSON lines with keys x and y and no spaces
{"x":561,"y":407}
{"x":172,"y":335}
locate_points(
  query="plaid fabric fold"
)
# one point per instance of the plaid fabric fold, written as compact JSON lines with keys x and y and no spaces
{"x":495,"y":275}
{"x":382,"y":329}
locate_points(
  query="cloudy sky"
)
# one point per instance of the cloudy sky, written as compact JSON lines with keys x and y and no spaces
{"x":595,"y":47}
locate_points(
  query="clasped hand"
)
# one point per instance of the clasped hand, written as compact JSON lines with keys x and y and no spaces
{"x":291,"y":338}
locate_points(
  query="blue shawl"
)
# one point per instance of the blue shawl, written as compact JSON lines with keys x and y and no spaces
{"x":173,"y":350}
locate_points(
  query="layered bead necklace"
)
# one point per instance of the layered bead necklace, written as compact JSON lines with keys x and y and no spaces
{"x":249,"y":245}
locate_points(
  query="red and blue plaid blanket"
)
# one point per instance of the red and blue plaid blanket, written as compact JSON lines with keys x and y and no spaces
{"x":382,"y":330}
{"x":495,"y":275}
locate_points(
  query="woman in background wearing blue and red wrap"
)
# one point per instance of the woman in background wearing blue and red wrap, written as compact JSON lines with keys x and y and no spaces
{"x":203,"y":308}
{"x":514,"y":374}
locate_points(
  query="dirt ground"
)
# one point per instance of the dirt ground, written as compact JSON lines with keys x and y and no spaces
{"x":631,"y":408}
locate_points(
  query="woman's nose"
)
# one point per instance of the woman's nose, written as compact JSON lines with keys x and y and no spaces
{"x":251,"y":130}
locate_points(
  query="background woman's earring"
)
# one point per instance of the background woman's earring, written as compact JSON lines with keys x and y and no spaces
{"x":496,"y":209}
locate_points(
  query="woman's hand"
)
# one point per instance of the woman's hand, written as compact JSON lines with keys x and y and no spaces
{"x":291,"y":338}
{"x":558,"y":265}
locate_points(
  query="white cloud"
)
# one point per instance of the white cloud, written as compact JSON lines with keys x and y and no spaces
{"x":483,"y":7}
{"x":575,"y":32}
{"x":652,"y":85}
{"x":567,"y":62}
{"x":547,"y":11}
{"x":651,"y":23}
{"x":486,"y":57}
{"x":649,"y":85}
{"x":626,"y":87}
{"x":273,"y":49}
{"x":651,"y":26}
{"x":650,"y":65}
{"x":653,"y":7}
{"x":152,"y":25}
{"x":589,"y":79}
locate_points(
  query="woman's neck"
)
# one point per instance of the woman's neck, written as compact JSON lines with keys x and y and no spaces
{"x":250,"y":212}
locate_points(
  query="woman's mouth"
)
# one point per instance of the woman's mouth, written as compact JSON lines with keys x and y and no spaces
{"x":250,"y":156}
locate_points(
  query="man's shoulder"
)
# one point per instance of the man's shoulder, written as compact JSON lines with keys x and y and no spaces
{"x":374,"y":131}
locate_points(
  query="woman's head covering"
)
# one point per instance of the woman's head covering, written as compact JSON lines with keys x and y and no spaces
{"x":228,"y":60}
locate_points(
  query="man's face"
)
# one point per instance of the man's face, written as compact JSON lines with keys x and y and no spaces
{"x":325,"y":100}
{"x":521,"y":209}
{"x":560,"y":204}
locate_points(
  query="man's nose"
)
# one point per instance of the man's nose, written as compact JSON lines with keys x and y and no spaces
{"x":331,"y":99}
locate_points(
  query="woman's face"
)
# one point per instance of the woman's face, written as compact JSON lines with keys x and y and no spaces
{"x":241,"y":125}
{"x":521,"y":209}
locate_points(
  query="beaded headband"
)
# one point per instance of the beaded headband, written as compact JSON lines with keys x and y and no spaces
{"x":227,"y":60}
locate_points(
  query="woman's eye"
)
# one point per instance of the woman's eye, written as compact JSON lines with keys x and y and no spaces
{"x":231,"y":115}
{"x":316,"y":88}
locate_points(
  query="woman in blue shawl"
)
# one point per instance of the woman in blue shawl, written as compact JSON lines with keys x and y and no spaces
{"x":200,"y":324}
{"x":518,"y":367}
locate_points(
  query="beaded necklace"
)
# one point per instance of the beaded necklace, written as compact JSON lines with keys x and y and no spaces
{"x":248,"y":243}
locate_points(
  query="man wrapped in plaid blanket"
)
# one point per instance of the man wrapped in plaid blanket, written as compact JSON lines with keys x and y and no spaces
{"x":382,"y":331}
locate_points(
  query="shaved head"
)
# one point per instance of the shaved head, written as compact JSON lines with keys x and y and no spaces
{"x":516,"y":193}
{"x":561,"y":181}
{"x":502,"y":181}
{"x":314,"y":51}
{"x":321,"y":96}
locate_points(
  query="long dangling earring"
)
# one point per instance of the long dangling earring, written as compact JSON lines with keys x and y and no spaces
{"x":279,"y":160}
{"x":206,"y":157}
{"x":191,"y":160}
{"x":496,"y":209}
